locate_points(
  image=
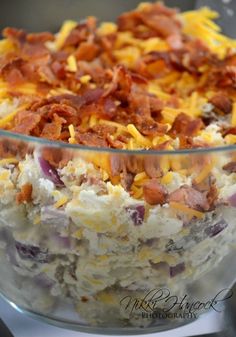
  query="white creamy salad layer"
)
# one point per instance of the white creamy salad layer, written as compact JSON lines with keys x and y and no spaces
{"x":92,"y":250}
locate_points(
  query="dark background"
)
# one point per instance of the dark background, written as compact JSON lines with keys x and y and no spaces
{"x":36,"y":15}
{"x":49,"y":14}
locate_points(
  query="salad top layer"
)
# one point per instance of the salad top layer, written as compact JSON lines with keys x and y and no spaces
{"x":155,"y":79}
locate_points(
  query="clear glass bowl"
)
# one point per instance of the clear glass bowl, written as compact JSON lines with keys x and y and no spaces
{"x":79,"y":251}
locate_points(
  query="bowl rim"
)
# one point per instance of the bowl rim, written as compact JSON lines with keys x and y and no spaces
{"x":62,"y":145}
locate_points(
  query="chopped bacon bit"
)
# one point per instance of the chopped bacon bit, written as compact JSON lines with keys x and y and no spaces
{"x":186,"y":125}
{"x":115,"y":143}
{"x":140,"y":104}
{"x":25,"y":122}
{"x":121,"y":80}
{"x":151,"y":128}
{"x":76,"y":36}
{"x":222,"y":102}
{"x":17,"y":35}
{"x":92,"y":96}
{"x":40,"y":37}
{"x":59,"y":70}
{"x":230,"y":167}
{"x":229,"y":131}
{"x":159,"y":19}
{"x":91,"y":139}
{"x":46,"y":74}
{"x":81,"y":32}
{"x":154,"y":193}
{"x":104,"y":130}
{"x":25,"y":194}
{"x":191,"y":197}
{"x":163,"y":25}
{"x":12,"y":72}
{"x":87,"y":51}
{"x":53,"y":130}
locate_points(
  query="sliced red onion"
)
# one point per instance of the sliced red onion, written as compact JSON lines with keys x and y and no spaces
{"x":61,"y":241}
{"x":44,"y":281}
{"x":54,"y":217}
{"x":50,"y":172}
{"x":136,"y":213}
{"x":216,"y":229}
{"x":232,"y":200}
{"x":178,"y":269}
{"x":34,"y":253}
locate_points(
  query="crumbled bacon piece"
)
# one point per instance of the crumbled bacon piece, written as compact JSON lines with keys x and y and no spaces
{"x":17,"y":35}
{"x":121,"y":81}
{"x":186,"y":125}
{"x":191,"y":197}
{"x":115,"y":143}
{"x":53,"y":129}
{"x":87,"y":51}
{"x":149,"y":127}
{"x":25,"y":122}
{"x":230,"y":167}
{"x":40,"y":37}
{"x":12,"y":71}
{"x":162,"y":24}
{"x":91,"y":139}
{"x":25,"y":194}
{"x":222,"y":102}
{"x":154,"y":193}
{"x":159,"y":19}
{"x":104,"y":130}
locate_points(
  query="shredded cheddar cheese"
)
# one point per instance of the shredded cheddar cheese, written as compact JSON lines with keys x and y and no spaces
{"x":167,"y":178}
{"x":64,"y":32}
{"x":7,"y":161}
{"x":189,"y":211}
{"x":137,"y":136}
{"x":85,"y":79}
{"x":72,"y":64}
{"x":233,"y":120}
{"x":62,"y":201}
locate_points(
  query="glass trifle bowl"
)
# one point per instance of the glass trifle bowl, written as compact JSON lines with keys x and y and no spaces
{"x":118,"y":171}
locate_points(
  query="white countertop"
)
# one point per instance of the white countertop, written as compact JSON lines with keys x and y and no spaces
{"x":22,"y":326}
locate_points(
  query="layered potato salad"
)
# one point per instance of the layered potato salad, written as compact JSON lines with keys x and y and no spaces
{"x":112,"y":182}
